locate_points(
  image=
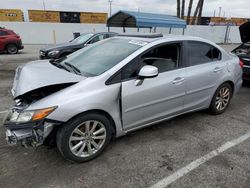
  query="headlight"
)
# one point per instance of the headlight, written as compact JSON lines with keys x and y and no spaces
{"x":42,"y":53}
{"x":53,"y":53}
{"x":30,"y":115}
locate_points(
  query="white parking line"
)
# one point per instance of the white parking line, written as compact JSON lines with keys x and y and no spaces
{"x":193,"y":165}
{"x":3,"y":112}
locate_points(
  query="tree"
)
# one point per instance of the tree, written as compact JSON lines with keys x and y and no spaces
{"x":196,"y":13}
{"x":200,"y":12}
{"x":189,"y":11}
{"x":183,"y":9}
{"x":178,"y":8}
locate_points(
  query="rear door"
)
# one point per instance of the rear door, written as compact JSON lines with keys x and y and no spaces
{"x":203,"y":73}
{"x":153,"y":99}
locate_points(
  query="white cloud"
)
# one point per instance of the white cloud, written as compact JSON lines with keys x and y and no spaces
{"x":239,"y":8}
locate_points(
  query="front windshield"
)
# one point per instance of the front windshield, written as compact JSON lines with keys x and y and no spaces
{"x":100,"y":57}
{"x":82,"y":38}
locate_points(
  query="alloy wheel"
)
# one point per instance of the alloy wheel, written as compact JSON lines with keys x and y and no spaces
{"x":87,"y":138}
{"x":222,"y":98}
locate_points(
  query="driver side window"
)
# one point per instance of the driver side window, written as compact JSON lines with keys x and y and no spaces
{"x":165,"y":57}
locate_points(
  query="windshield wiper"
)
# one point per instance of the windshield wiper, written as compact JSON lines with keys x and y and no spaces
{"x":75,"y":69}
{"x":59,"y":65}
{"x":57,"y":60}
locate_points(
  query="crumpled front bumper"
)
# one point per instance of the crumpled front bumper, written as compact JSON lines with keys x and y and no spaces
{"x":28,"y":134}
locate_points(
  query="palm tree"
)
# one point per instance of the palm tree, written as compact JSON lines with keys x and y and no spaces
{"x":183,"y":9}
{"x":178,"y":8}
{"x":189,"y":11}
{"x":196,"y":12}
{"x":200,"y":12}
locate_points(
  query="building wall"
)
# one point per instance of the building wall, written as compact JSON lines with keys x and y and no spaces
{"x":48,"y":33}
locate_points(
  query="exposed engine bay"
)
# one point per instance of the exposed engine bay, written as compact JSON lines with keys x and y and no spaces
{"x":37,"y":94}
{"x":243,"y":49}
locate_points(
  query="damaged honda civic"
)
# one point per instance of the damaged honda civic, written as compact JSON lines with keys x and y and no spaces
{"x":116,"y":86}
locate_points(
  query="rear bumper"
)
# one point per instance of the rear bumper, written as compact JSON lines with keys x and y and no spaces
{"x":21,"y":47}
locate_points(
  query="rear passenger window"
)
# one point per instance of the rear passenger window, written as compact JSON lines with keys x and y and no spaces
{"x":199,"y":53}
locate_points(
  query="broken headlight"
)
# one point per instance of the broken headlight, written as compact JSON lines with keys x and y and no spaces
{"x":29,"y":115}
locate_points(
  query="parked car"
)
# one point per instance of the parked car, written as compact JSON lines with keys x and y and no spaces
{"x":62,"y":50}
{"x":243,"y":51}
{"x":116,"y":86}
{"x":10,"y":42}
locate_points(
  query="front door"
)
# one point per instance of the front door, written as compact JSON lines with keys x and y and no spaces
{"x":153,"y":99}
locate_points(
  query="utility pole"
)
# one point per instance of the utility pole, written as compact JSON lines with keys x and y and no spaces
{"x":43,"y":5}
{"x":220,"y":11}
{"x":110,"y":7}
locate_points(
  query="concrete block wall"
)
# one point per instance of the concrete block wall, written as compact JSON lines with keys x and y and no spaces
{"x":49,"y":33}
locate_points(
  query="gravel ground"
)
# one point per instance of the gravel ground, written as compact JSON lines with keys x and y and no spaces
{"x":139,"y":159}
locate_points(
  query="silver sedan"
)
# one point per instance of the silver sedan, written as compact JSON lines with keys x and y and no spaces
{"x":116,"y":86}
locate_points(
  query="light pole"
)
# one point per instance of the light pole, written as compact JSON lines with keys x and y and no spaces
{"x":110,"y":7}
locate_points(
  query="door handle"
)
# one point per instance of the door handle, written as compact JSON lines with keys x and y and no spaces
{"x":218,"y":69}
{"x":178,"y":80}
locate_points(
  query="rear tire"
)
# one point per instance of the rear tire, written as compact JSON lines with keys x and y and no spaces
{"x":12,"y":49}
{"x":221,"y":99}
{"x":84,"y":138}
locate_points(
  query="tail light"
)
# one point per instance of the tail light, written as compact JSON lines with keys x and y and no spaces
{"x":241,"y":64}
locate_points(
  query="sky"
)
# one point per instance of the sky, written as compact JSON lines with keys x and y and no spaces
{"x":230,"y":8}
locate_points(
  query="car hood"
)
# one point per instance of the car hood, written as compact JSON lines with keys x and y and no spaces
{"x":60,"y":46}
{"x":245,"y":32}
{"x":38,"y":74}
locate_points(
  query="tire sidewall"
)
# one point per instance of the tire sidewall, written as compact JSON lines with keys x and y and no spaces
{"x":65,"y":132}
{"x":10,"y":45}
{"x":213,"y":108}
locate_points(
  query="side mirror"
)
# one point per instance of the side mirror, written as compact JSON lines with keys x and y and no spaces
{"x":148,"y":71}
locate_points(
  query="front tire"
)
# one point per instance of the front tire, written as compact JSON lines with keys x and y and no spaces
{"x":84,"y":137}
{"x":12,"y":49}
{"x":221,"y":99}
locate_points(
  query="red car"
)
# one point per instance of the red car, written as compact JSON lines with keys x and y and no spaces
{"x":10,"y":42}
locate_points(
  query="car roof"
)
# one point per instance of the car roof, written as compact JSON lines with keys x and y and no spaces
{"x":99,"y":33}
{"x":168,"y":37}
